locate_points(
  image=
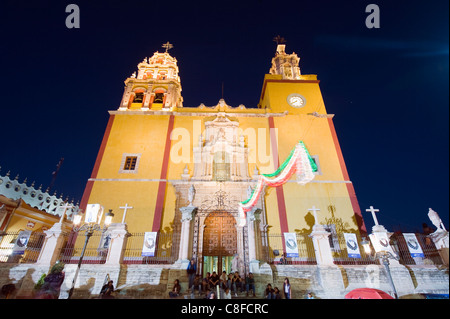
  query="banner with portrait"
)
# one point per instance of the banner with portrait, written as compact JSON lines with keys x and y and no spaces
{"x":290,"y":239}
{"x":149,"y":246}
{"x":380,"y":242}
{"x":21,"y":242}
{"x":351,"y":243}
{"x":413,"y":245}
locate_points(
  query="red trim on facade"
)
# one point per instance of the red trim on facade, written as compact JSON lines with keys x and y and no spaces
{"x":86,"y":195}
{"x":280,"y":193}
{"x":103,"y":146}
{"x":350,"y":189}
{"x":90,"y":184}
{"x":162,"y":184}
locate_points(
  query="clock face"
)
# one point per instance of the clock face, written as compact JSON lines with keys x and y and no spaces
{"x":296,"y":100}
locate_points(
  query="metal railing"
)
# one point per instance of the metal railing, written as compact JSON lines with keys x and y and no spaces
{"x":165,"y":252}
{"x":272,"y":253}
{"x":95,"y":253}
{"x":28,"y":253}
{"x":431,"y":254}
{"x":340,"y":252}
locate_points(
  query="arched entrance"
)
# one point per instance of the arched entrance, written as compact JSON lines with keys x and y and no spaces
{"x":219,"y":242}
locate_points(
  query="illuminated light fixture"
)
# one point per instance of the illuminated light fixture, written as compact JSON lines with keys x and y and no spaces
{"x":108,"y":217}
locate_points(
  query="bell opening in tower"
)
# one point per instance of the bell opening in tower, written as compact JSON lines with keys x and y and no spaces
{"x":159,"y":98}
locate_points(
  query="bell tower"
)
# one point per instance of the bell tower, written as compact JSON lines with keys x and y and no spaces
{"x":285,"y":64}
{"x":156,"y":86}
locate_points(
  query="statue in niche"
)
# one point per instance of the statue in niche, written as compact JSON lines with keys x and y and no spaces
{"x":221,"y":134}
{"x":191,"y":195}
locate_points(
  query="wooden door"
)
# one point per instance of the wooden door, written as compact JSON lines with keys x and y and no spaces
{"x":219,"y":237}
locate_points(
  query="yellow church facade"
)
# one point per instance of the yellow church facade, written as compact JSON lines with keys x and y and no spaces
{"x":159,"y":157}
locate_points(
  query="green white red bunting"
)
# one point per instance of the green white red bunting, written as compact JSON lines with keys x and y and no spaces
{"x":299,"y":161}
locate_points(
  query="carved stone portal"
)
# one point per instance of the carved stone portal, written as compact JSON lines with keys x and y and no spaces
{"x":219,"y":182}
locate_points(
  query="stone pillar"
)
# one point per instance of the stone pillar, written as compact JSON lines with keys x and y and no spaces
{"x":441,"y":241}
{"x":52,"y":246}
{"x":252,"y":217}
{"x":240,"y":248}
{"x":119,"y":234}
{"x":187,"y":214}
{"x":322,"y":246}
{"x":380,"y":229}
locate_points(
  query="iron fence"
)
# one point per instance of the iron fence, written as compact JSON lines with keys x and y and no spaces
{"x":165,"y":252}
{"x":20,"y":247}
{"x":430,"y":252}
{"x":340,"y":251}
{"x":273,"y":251}
{"x":96,"y":249}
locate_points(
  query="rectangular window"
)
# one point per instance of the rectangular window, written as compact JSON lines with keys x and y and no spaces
{"x":130,"y":163}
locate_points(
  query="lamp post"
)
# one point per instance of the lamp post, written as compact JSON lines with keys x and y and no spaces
{"x":93,"y":217}
{"x":384,"y":257}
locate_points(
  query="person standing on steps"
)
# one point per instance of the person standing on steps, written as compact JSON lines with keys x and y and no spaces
{"x":250,"y":283}
{"x":191,"y":272}
{"x":287,"y":288}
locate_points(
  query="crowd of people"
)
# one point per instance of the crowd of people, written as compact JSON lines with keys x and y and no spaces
{"x":227,"y":285}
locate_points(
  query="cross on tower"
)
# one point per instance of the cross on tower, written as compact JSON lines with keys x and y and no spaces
{"x":373,"y":211}
{"x":125,"y":208}
{"x":279,"y":40}
{"x":167,"y":46}
{"x":314,"y":210}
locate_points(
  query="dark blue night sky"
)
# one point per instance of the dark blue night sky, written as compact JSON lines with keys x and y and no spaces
{"x":387,"y":87}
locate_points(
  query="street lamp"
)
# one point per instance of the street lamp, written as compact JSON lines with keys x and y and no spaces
{"x":92,"y":220}
{"x":383,"y":256}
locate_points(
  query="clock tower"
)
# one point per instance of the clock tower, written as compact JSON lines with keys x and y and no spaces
{"x":286,"y":90}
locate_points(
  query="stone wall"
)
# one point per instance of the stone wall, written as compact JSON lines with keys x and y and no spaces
{"x":155,"y":281}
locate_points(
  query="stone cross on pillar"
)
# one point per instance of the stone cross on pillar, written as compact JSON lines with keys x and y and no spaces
{"x":373,"y":211}
{"x":65,"y":206}
{"x":125,"y":208}
{"x":315,"y":210}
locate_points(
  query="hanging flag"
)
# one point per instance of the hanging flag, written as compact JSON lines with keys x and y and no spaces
{"x":21,"y":242}
{"x":291,"y":245}
{"x":299,"y":161}
{"x":351,"y":243}
{"x":149,"y":246}
{"x":380,"y":242}
{"x":413,"y":245}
